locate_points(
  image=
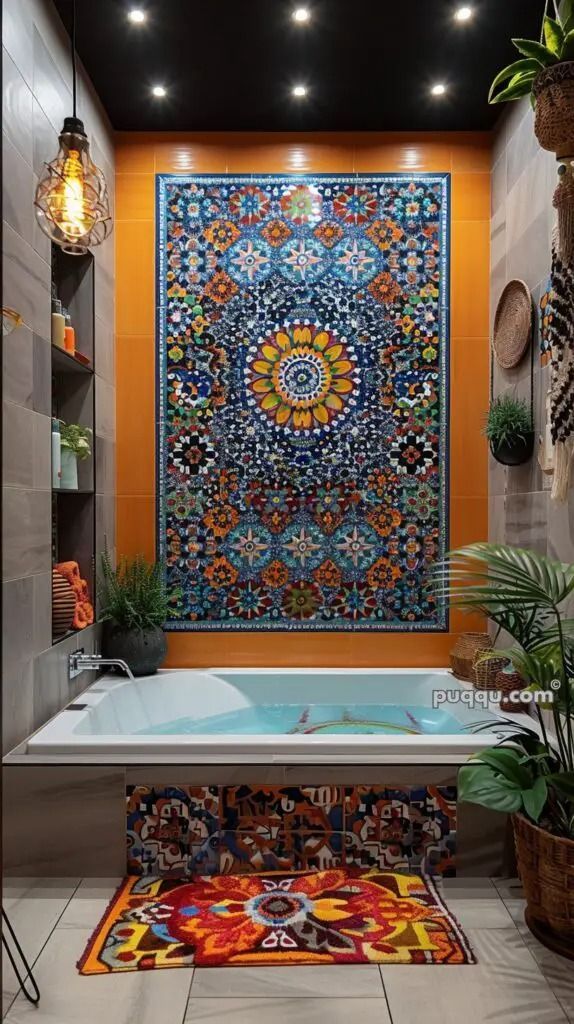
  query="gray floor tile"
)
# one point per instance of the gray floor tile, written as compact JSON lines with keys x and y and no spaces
{"x":467,"y":888}
{"x":558,"y":971}
{"x":287,"y":1011}
{"x":90,"y":903}
{"x":304,"y":982}
{"x":69,"y":998}
{"x":505,"y":986}
{"x":479,"y":913}
{"x":33,"y":906}
{"x":508,"y":888}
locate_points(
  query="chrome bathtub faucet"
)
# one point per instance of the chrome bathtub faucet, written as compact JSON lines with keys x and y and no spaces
{"x":80,"y":662}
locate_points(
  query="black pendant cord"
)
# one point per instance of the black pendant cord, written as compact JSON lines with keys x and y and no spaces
{"x":22,"y":981}
{"x":74,"y":55}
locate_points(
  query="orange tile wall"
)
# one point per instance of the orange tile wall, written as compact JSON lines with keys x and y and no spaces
{"x":139,"y":157}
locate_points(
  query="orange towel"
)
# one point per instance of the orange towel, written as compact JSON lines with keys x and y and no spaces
{"x":84,"y":614}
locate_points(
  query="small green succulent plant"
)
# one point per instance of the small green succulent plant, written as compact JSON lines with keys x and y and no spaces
{"x":509,"y":420}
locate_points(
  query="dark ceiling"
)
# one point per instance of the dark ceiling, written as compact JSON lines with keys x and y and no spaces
{"x":230,"y":65}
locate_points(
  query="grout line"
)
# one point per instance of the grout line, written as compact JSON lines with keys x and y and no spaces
{"x":386,"y":994}
{"x":188,"y":995}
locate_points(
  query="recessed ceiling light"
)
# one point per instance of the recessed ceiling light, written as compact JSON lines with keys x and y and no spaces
{"x":463,"y":13}
{"x":300,"y":91}
{"x":301,"y":14}
{"x":439,"y":89}
{"x":159,"y":91}
{"x":137,"y":16}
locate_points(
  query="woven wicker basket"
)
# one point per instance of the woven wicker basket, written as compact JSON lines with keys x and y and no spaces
{"x":553,"y":91}
{"x":512,"y":333}
{"x":464,"y":652}
{"x":507,"y":682}
{"x":486,"y":672}
{"x":546,"y":869}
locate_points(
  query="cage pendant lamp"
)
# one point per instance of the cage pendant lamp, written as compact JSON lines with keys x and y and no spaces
{"x":72,"y":202}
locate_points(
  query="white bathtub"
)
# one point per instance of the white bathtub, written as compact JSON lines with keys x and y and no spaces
{"x":116,"y":720}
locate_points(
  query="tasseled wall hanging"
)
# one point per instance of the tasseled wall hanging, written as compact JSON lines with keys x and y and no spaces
{"x":561,"y":335}
{"x":564,"y":204}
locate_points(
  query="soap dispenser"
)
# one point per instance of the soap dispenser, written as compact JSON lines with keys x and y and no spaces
{"x":58,"y":325}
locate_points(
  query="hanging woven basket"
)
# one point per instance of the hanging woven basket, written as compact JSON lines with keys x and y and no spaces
{"x":553,"y":91}
{"x":513,"y":324}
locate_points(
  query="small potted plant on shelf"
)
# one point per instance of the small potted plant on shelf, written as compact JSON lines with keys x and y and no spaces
{"x":133,"y":610}
{"x":509,"y":429}
{"x":530,"y":773}
{"x":74,"y":445}
{"x":545,"y":72}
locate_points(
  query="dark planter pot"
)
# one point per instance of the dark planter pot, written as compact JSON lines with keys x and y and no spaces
{"x":514,"y":453}
{"x":143,"y":650}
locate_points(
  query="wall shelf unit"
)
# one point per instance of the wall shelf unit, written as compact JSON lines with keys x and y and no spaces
{"x":73,"y":401}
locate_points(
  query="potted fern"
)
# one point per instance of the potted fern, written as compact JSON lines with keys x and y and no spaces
{"x":133,"y":610}
{"x":545,"y":72}
{"x":509,"y":429}
{"x":530,"y":774}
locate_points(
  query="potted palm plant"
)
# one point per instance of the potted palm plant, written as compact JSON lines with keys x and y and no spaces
{"x":545,"y":72}
{"x":530,"y":774}
{"x":133,"y":610}
{"x":509,"y":430}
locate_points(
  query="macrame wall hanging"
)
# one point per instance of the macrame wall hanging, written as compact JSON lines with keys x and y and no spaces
{"x":561,"y":337}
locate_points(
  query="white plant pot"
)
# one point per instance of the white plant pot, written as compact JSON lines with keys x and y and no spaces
{"x":69,"y":470}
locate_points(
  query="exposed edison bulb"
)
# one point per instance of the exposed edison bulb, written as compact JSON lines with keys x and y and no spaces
{"x":72,"y":203}
{"x":67,"y":202}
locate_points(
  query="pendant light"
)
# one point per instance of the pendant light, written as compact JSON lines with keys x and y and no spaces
{"x":72,"y":202}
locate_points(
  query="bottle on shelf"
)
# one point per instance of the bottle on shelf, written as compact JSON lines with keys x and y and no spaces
{"x":58,"y":325}
{"x":56,"y":454}
{"x":69,"y":335}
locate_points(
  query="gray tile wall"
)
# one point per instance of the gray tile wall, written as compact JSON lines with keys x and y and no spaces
{"x":36,"y":96}
{"x":522,"y":220}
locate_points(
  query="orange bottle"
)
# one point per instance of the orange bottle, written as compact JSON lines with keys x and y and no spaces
{"x":69,"y":336}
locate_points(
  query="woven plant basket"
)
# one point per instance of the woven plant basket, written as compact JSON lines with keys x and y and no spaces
{"x":486,"y":672}
{"x":512,"y":334}
{"x":507,"y":682}
{"x":553,"y":91}
{"x":464,"y":652}
{"x":546,"y":869}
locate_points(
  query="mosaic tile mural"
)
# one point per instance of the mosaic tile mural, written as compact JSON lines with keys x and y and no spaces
{"x":302,"y":450}
{"x":181,"y":831}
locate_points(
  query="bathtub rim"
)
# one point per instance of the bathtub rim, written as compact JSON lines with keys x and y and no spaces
{"x":50,"y":745}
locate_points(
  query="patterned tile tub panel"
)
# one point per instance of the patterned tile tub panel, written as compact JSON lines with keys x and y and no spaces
{"x":176,"y":831}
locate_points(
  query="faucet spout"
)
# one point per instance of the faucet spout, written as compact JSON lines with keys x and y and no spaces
{"x":80,"y":662}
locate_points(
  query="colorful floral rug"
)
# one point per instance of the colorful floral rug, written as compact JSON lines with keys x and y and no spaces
{"x":325,"y":917}
{"x":302,"y":409}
